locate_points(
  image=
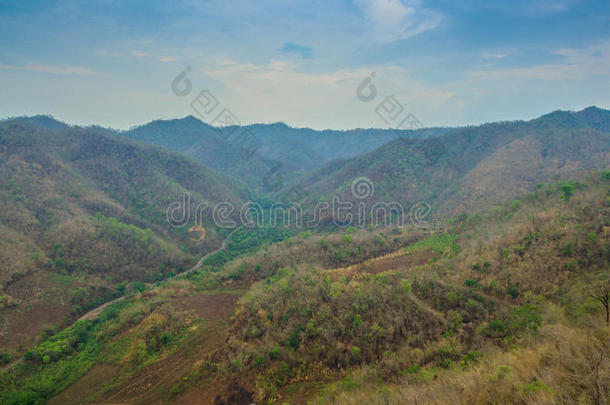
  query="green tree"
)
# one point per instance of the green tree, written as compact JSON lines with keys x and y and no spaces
{"x":567,"y":190}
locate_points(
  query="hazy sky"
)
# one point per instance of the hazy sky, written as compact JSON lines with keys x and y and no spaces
{"x":448,"y":62}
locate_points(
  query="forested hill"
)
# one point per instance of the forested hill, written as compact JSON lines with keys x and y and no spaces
{"x":474,"y":167}
{"x":81,"y":212}
{"x":278,"y":147}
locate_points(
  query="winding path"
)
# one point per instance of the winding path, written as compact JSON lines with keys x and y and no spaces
{"x":95,"y":312}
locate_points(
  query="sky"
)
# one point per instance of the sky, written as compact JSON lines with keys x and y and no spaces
{"x":448,"y":63}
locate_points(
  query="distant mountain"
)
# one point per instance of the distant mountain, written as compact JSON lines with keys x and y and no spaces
{"x":42,"y":121}
{"x":272,"y":149}
{"x":285,"y":150}
{"x":590,"y":117}
{"x":454,"y":169}
{"x":82,"y":211}
{"x":206,"y":144}
{"x":473,"y":167}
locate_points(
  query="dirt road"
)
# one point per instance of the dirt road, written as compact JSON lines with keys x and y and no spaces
{"x":95,"y":312}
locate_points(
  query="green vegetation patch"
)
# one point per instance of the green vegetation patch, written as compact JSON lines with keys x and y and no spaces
{"x":439,"y":243}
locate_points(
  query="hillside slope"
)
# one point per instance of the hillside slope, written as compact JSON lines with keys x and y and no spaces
{"x":496,"y":310}
{"x":473,"y":166}
{"x":82,"y":212}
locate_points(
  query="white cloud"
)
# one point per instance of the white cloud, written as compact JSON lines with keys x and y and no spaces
{"x":279,"y":90}
{"x":390,"y":20}
{"x":529,"y":8}
{"x":577,"y":63}
{"x":56,"y":70}
{"x":104,"y":52}
{"x":491,"y":55}
{"x":547,"y":6}
{"x":138,"y":54}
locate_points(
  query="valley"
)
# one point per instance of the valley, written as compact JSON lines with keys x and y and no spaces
{"x":268,"y":202}
{"x":128,"y":308}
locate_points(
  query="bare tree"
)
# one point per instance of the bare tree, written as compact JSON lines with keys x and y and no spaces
{"x":602,"y":295}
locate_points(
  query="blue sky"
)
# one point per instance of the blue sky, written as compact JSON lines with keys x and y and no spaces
{"x":447,"y":62}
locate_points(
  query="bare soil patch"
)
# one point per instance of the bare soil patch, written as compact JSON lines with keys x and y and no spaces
{"x":152,"y":385}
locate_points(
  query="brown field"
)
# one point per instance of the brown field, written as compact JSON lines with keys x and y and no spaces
{"x":109,"y":384}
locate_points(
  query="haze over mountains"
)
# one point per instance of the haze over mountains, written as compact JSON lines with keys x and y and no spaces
{"x":450,"y":168}
{"x":292,"y":151}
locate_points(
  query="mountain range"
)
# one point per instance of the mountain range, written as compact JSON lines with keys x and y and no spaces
{"x":474,"y":166}
{"x":275,"y":313}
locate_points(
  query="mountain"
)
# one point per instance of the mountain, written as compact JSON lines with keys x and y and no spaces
{"x":275,"y":148}
{"x":82,"y":213}
{"x":42,"y":121}
{"x":472,"y":167}
{"x":510,"y":295}
{"x":208,"y":145}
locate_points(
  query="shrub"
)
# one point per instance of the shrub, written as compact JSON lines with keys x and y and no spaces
{"x":293,"y":340}
{"x":357,"y":321}
{"x":526,"y":317}
{"x":31,"y":355}
{"x":274,"y":353}
{"x":7,"y":301}
{"x":534,"y":386}
{"x":336,"y":288}
{"x":446,"y":354}
{"x":259,"y":361}
{"x":22,"y":397}
{"x":455,"y":319}
{"x":495,"y":329}
{"x":311,"y":328}
{"x":5,"y":357}
{"x":348,"y":384}
{"x":472,"y":357}
{"x":176,"y":389}
{"x":470,"y":283}
{"x":566,"y":190}
{"x":379,"y":239}
{"x":137,"y":286}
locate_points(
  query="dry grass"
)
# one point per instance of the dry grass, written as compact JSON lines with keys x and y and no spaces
{"x":560,"y":365}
